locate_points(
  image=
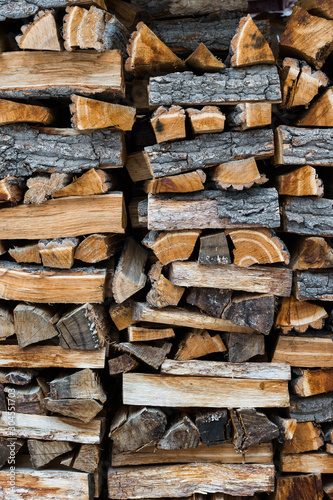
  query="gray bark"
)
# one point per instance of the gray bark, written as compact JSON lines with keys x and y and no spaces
{"x":242,"y":347}
{"x":257,"y":312}
{"x":230,"y":86}
{"x":17,"y":9}
{"x":309,"y":216}
{"x":304,"y":146}
{"x":208,"y":150}
{"x":176,"y":8}
{"x":314,"y":285}
{"x":25,"y":150}
{"x":312,"y":409}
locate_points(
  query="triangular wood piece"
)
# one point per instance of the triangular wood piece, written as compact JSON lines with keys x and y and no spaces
{"x":18,"y":112}
{"x":320,"y":113}
{"x":249,"y":46}
{"x":91,"y":182}
{"x":238,"y":174}
{"x":41,"y":34}
{"x":148,"y":54}
{"x":204,"y":60}
{"x":299,"y":315}
{"x":312,"y":253}
{"x":303,"y":181}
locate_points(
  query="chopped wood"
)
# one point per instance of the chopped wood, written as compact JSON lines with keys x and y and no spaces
{"x":41,"y":34}
{"x":138,"y":167}
{"x":321,"y":8}
{"x":17,"y":112}
{"x":209,"y":392}
{"x":6,"y":322}
{"x":97,"y":247}
{"x":168,"y":124}
{"x":207,"y":120}
{"x":43,"y":452}
{"x":182,"y":183}
{"x":8,"y":449}
{"x":34,"y":323}
{"x":287,"y":427}
{"x":320,"y":112}
{"x":172,"y":245}
{"x":28,"y":399}
{"x":198,"y":343}
{"x":249,"y":47}
{"x":28,"y":253}
{"x":181,"y":435}
{"x":121,"y":314}
{"x":303,"y":181}
{"x":162,"y":293}
{"x":122,"y":364}
{"x":314,"y":408}
{"x":203,"y":60}
{"x":43,"y":186}
{"x":176,"y":316}
{"x":253,"y":310}
{"x":303,"y":351}
{"x":50,"y":357}
{"x":308,"y":216}
{"x":140,"y":334}
{"x":318,"y":462}
{"x":17,"y":377}
{"x":314,"y":285}
{"x":149,"y":55}
{"x":91,"y":182}
{"x":243,"y":347}
{"x":172,"y":8}
{"x":60,"y":74}
{"x":58,"y":253}
{"x":257,"y":246}
{"x":251,"y":428}
{"x":299,"y":316}
{"x":88,"y":114}
{"x":214,"y":426}
{"x":254,"y":279}
{"x":312,"y":253}
{"x":11,"y":189}
{"x":210,"y":300}
{"x":87,"y":458}
{"x":84,"y":410}
{"x":84,"y":384}
{"x":250,"y":115}
{"x":306,"y":437}
{"x":237,"y":174}
{"x":291,"y":486}
{"x":259,"y":371}
{"x":151,"y":355}
{"x":312,"y":382}
{"x":214,"y":250}
{"x":308,"y":37}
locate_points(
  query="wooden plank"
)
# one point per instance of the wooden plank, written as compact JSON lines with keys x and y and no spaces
{"x":60,"y":74}
{"x":198,"y":368}
{"x":208,"y":392}
{"x":11,"y":356}
{"x":259,"y":279}
{"x":71,"y":216}
{"x":319,"y":462}
{"x":304,"y":352}
{"x":224,"y":453}
{"x":184,"y":480}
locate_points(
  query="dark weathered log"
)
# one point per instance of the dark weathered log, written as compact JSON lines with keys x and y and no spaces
{"x":81,"y":384}
{"x":9,"y":448}
{"x":13,"y":9}
{"x":21,"y":376}
{"x":28,"y":399}
{"x":43,"y":452}
{"x":251,"y":427}
{"x":255,"y":311}
{"x":122,"y":364}
{"x":312,"y":409}
{"x":81,"y":409}
{"x":230,"y":86}
{"x":210,"y":300}
{"x":152,"y":355}
{"x":213,"y":426}
{"x":299,"y":486}
{"x":172,"y":8}
{"x":242,"y":347}
{"x":312,"y":216}
{"x":214,"y":249}
{"x":182,"y":434}
{"x":314,"y":285}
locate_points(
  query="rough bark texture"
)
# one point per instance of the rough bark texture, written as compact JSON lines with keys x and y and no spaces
{"x":230,"y":86}
{"x":314,"y":285}
{"x":176,"y":8}
{"x":314,"y":408}
{"x":312,"y":216}
{"x":14,"y":9}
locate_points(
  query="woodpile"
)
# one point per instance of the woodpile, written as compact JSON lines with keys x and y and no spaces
{"x":166,"y":272}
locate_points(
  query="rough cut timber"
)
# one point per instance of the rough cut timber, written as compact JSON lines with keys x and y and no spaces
{"x":168,"y":124}
{"x":172,"y":8}
{"x":15,"y":10}
{"x":140,"y":334}
{"x":308,"y":37}
{"x":28,"y":253}
{"x":306,"y":437}
{"x":34,"y":323}
{"x":226,"y":87}
{"x":303,"y":181}
{"x":314,"y":408}
{"x":319,"y":462}
{"x":87,"y":458}
{"x":97,"y":247}
{"x":314,"y":285}
{"x":88,"y":114}
{"x":242,"y":347}
{"x":320,"y":113}
{"x":298,"y":351}
{"x":214,"y":249}
{"x":299,"y":316}
{"x":208,"y":392}
{"x":291,"y":486}
{"x":82,"y":409}
{"x":6,"y":322}
{"x":28,"y":399}
{"x":91,"y":182}
{"x":271,"y":280}
{"x":322,"y":8}
{"x":151,"y":355}
{"x":313,"y":216}
{"x":257,"y":246}
{"x":72,"y":216}
{"x":138,"y":167}
{"x":41,"y":187}
{"x":26,"y":150}
{"x":249,"y":47}
{"x":181,"y":183}
{"x":162,"y":292}
{"x":48,"y":286}
{"x":312,"y":253}
{"x":237,"y":174}
{"x":313,"y":382}
{"x":122,"y":364}
{"x":16,"y":112}
{"x":60,"y":74}
{"x":207,"y":120}
{"x":43,"y":452}
{"x":41,"y":34}
{"x":121,"y":314}
{"x":210,"y":300}
{"x":11,"y":189}
{"x":17,"y":377}
{"x":58,"y":253}
{"x":172,"y":245}
{"x":83,"y":384}
{"x":250,"y":115}
{"x":149,"y":55}
{"x":203,"y":60}
{"x":253,"y":310}
{"x":251,"y":428}
{"x":198,"y":343}
{"x":181,"y":435}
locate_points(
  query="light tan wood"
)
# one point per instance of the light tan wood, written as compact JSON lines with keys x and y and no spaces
{"x":198,"y":343}
{"x":71,"y":216}
{"x":176,"y":316}
{"x":312,"y":253}
{"x":323,"y":8}
{"x":149,"y":55}
{"x":207,"y":120}
{"x":312,"y":382}
{"x":249,"y":46}
{"x":320,"y":113}
{"x":202,"y":59}
{"x":303,"y":181}
{"x":17,"y":112}
{"x":11,"y":189}
{"x":28,"y":253}
{"x":6,"y":322}
{"x":97,"y":247}
{"x":299,"y":316}
{"x":88,"y":114}
{"x":306,"y":437}
{"x":250,"y":115}
{"x":34,"y":323}
{"x":50,"y":357}
{"x":89,"y":183}
{"x":42,"y":187}
{"x":162,"y":293}
{"x":140,"y":334}
{"x":238,"y":174}
{"x":182,"y":183}
{"x":58,"y":253}
{"x":209,"y":392}
{"x":299,"y":351}
{"x":138,"y":167}
{"x":169,"y":246}
{"x":88,"y":457}
{"x":168,"y":124}
{"x":82,"y":384}
{"x":319,"y":462}
{"x":72,"y":20}
{"x":121,"y":314}
{"x":41,"y":34}
{"x":270,"y":280}
{"x":257,"y":246}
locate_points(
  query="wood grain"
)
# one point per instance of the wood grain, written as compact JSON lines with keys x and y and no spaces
{"x":304,"y":351}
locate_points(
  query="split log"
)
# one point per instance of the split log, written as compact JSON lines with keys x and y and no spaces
{"x":214,"y":250}
{"x":214,"y":209}
{"x":328,"y":488}
{"x":306,"y":437}
{"x":203,"y":60}
{"x":129,"y":275}
{"x":84,"y":384}
{"x":97,"y":247}
{"x":162,"y":293}
{"x":171,"y":8}
{"x":50,"y":357}
{"x":172,"y":245}
{"x":319,"y":462}
{"x":41,"y":187}
{"x":254,"y":279}
{"x":251,"y":428}
{"x":321,"y":8}
{"x":58,"y":253}
{"x":312,"y":253}
{"x":121,"y":314}
{"x":151,"y":355}
{"x":207,"y":120}
{"x":244,"y":347}
{"x":41,"y":34}
{"x":253,"y":310}
{"x":214,"y":426}
{"x":258,"y":371}
{"x":17,"y":377}
{"x":149,"y":55}
{"x":208,"y":392}
{"x":303,"y":181}
{"x":15,"y":112}
{"x":287,"y":427}
{"x":43,"y":452}
{"x":314,"y":285}
{"x":249,"y":47}
{"x":320,"y":113}
{"x":11,"y":189}
{"x":60,"y":74}
{"x":140,"y":334}
{"x":88,"y":114}
{"x":6,"y":322}
{"x":28,"y":253}
{"x":250,"y":115}
{"x":312,"y":382}
{"x":28,"y":399}
{"x":181,"y":435}
{"x":181,"y":183}
{"x":87,"y":458}
{"x":168,"y":124}
{"x":237,"y":174}
{"x":294,"y":146}
{"x":138,"y":167}
{"x":122,"y":364}
{"x":303,"y":351}
{"x":291,"y":486}
{"x":34,"y":323}
{"x":226,"y":87}
{"x":198,"y":343}
{"x":314,"y":408}
{"x":299,"y":316}
{"x":85,"y":327}
{"x":312,"y":216}
{"x":84,"y":410}
{"x":257,"y":246}
{"x":308,"y":37}
{"x":8,"y":449}
{"x":89,"y":183}
{"x":210,"y":300}
{"x":176,"y":316}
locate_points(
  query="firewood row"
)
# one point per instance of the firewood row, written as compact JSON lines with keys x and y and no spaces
{"x":166,"y":263}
